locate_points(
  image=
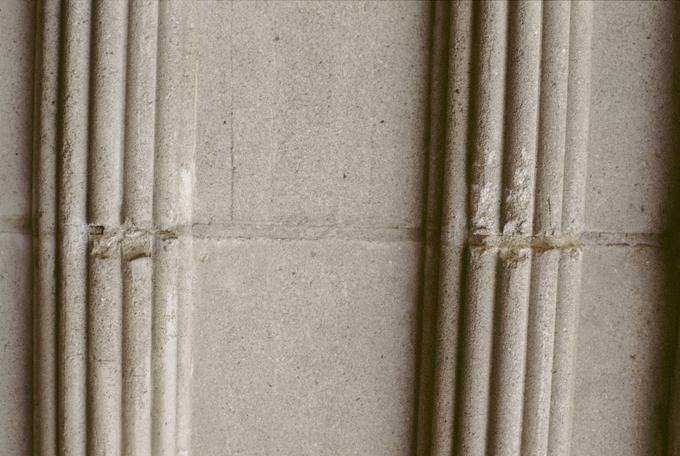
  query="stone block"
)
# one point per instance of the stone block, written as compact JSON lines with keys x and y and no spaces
{"x":16,"y":113}
{"x":304,"y":346}
{"x":15,"y":343}
{"x":624,"y":348}
{"x":631,"y":118}
{"x":323,"y":117}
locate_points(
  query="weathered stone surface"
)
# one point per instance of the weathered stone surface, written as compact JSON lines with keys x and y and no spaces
{"x":112,"y":183}
{"x":302,"y":343}
{"x":16,"y":112}
{"x":632,"y":120}
{"x":501,"y":319}
{"x":417,"y":228}
{"x":318,"y":106}
{"x":15,"y":343}
{"x":624,"y":353}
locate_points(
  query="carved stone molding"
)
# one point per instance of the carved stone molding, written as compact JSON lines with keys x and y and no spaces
{"x":113,"y":175}
{"x":505,"y":215}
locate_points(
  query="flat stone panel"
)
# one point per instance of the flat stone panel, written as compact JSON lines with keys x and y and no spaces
{"x":622,"y":363}
{"x":16,"y":111}
{"x":304,"y":347}
{"x":328,"y":103}
{"x":214,"y":122}
{"x":631,"y":115}
{"x":15,"y":343}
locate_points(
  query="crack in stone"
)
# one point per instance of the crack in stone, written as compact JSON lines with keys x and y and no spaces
{"x":524,"y":242}
{"x":132,"y":242}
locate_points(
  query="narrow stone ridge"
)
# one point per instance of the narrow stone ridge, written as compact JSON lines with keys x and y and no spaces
{"x":44,"y":206}
{"x":499,"y":322}
{"x":113,"y":175}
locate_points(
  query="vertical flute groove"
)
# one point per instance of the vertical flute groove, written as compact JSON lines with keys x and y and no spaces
{"x":550,"y":160}
{"x":138,"y":212}
{"x":72,"y":234}
{"x":509,"y":345}
{"x":44,"y":222}
{"x":453,"y":219}
{"x":485,"y":192}
{"x":173,"y":180}
{"x":140,"y":113}
{"x":547,"y":222}
{"x":566,"y":321}
{"x":165,"y":254}
{"x":573,"y":207}
{"x":488,"y":112}
{"x":438,"y":67}
{"x":578,"y":117}
{"x":521,"y":120}
{"x":521,"y":117}
{"x":189,"y":89}
{"x":105,"y":281}
{"x":472,"y":394}
{"x":540,"y":341}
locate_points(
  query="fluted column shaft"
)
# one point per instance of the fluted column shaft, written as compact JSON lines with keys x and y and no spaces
{"x":506,"y":229}
{"x":113,"y":177}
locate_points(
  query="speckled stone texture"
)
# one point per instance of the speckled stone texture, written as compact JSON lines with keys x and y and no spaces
{"x":16,"y":91}
{"x":339,"y":228}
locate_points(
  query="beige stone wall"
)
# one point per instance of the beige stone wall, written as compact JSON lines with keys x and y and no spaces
{"x":277,"y":201}
{"x":16,"y":108}
{"x":626,"y":318}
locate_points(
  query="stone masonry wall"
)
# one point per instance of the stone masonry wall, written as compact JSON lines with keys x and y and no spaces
{"x":333,"y":228}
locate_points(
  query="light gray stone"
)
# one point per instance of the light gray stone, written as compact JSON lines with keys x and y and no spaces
{"x":313,"y":227}
{"x":16,"y":112}
{"x":15,"y":343}
{"x":304,"y":346}
{"x":624,"y":353}
{"x":632,"y":123}
{"x":323,"y":114}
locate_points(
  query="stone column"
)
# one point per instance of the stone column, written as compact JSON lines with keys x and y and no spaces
{"x":113,"y":175}
{"x":504,"y":224}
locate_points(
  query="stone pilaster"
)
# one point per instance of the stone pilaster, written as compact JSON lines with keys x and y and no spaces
{"x":504,"y":224}
{"x":113,"y":176}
